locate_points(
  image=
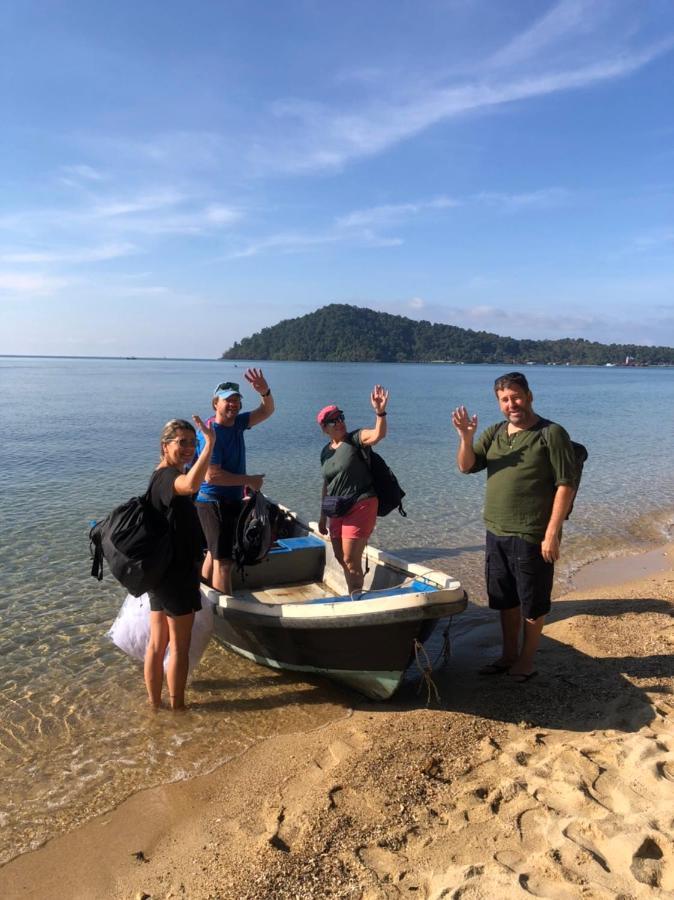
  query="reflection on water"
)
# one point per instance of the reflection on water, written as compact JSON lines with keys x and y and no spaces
{"x":76,"y":736}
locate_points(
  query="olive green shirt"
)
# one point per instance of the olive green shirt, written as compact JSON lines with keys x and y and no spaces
{"x":524,"y":470}
{"x":345,"y":471}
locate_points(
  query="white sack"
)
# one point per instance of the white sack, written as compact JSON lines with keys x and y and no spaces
{"x":131,"y":630}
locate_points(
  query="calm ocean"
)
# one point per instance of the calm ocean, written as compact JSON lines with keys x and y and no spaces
{"x":75,"y":736}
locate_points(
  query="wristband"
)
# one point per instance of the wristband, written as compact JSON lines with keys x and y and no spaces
{"x":267,"y":393}
{"x":381,"y":414}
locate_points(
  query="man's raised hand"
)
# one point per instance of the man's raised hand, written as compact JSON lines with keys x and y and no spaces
{"x":465,"y":424}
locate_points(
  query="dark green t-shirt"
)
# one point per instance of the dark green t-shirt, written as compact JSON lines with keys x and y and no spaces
{"x":345,"y":471}
{"x":524,"y":470}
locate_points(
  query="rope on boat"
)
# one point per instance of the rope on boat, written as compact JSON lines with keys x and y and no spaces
{"x":446,"y":649}
{"x":426,"y":669}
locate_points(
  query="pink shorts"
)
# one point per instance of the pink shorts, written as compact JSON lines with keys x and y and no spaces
{"x":359,"y":522}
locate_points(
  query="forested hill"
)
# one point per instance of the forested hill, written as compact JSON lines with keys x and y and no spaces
{"x":342,"y":333}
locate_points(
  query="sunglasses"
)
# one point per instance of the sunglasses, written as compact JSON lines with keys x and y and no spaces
{"x":227,"y":386}
{"x":330,"y":422}
{"x":183,"y":442}
{"x":511,"y":378}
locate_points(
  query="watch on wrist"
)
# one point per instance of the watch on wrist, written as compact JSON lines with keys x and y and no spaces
{"x":266,"y":393}
{"x":381,"y":414}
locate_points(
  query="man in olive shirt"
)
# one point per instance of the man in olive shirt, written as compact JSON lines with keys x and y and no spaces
{"x":531,"y":476}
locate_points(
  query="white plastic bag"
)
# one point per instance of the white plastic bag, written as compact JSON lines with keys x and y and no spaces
{"x":131,"y":630}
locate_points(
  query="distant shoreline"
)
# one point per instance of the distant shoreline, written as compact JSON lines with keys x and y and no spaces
{"x":359,"y":362}
{"x":127,"y":358}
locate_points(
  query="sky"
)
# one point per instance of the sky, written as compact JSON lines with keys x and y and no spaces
{"x":176,"y":176}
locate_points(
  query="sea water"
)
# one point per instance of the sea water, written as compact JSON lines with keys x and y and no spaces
{"x":81,"y":436}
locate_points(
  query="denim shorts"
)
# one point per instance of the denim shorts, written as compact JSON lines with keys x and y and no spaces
{"x":517,"y":575}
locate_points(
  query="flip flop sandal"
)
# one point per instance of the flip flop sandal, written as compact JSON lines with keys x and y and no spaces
{"x":521,"y":678}
{"x":494,"y":668}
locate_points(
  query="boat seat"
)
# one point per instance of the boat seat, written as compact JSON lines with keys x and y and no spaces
{"x":291,"y":560}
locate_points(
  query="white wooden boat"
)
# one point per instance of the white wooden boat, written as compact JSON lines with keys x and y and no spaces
{"x":292,"y":611}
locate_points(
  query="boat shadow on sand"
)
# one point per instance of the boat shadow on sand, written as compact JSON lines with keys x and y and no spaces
{"x":573,"y":690}
{"x":266,"y":690}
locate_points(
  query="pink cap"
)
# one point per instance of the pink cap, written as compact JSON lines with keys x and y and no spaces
{"x":326,"y":412}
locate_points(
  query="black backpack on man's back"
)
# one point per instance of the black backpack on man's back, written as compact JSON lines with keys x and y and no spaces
{"x":136,"y":541}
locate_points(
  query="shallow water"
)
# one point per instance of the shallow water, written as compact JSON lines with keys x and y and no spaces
{"x":75,"y":735}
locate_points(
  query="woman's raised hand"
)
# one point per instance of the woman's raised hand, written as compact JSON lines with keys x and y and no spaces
{"x":205,"y":429}
{"x":379,"y":398}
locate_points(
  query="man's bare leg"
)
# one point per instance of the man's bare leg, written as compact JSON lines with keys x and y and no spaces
{"x":207,"y":569}
{"x":532,"y":629}
{"x":222,"y":576}
{"x":511,"y":622}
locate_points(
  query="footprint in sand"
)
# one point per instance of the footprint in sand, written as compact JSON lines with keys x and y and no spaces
{"x":385,"y":864}
{"x":284,"y":814}
{"x":589,"y":838}
{"x":652,"y":865}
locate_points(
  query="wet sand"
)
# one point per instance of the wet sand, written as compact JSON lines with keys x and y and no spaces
{"x":560,"y":788}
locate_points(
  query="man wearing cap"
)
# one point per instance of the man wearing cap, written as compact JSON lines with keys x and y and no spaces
{"x":220,"y":496}
{"x":531,"y":477}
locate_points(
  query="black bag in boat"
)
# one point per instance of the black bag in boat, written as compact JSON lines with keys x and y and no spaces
{"x":136,"y":541}
{"x":253,"y":536}
{"x":336,"y":507}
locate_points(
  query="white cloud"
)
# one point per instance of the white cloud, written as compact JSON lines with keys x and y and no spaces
{"x":321,"y":137}
{"x":391,"y":214}
{"x":20,"y":283}
{"x":655,"y":239}
{"x":542,"y":199}
{"x":567,"y":19}
{"x":75,"y":175}
{"x":92,"y":254}
{"x":139,"y":204}
{"x":286,"y":242}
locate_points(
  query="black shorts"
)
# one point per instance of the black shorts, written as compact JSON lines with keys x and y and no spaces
{"x":178,"y":593}
{"x":517,"y":575}
{"x":218,"y":521}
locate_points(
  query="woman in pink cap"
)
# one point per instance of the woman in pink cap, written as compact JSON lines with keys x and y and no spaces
{"x":348,"y":499}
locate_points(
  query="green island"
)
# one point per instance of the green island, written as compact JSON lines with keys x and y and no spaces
{"x":343,"y":333}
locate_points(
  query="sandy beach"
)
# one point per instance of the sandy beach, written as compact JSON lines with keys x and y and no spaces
{"x":560,"y":788}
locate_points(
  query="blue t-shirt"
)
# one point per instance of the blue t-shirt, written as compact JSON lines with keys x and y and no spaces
{"x":230,"y":454}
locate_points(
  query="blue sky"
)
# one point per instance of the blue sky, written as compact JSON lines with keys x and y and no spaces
{"x":176,"y":176}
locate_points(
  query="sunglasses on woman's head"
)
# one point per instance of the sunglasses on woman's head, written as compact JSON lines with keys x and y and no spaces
{"x":227,"y":386}
{"x":330,"y":422}
{"x":183,"y":442}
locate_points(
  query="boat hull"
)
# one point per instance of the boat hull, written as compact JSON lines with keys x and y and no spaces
{"x":387,"y":648}
{"x":291,"y":612}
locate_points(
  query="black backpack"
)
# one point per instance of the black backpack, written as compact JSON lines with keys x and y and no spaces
{"x":579,"y":451}
{"x":135,"y":539}
{"x":253,"y":536}
{"x":386,"y":486}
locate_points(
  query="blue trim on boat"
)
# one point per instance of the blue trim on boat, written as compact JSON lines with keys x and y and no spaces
{"x":287,"y":545}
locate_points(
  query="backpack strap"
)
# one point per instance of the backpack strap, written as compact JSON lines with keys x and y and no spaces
{"x":96,"y":550}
